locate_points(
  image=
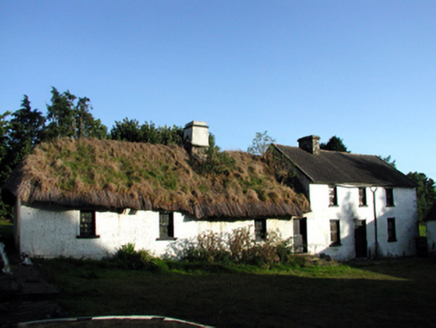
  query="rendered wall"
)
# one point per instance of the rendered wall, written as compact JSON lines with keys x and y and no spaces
{"x":431,"y":237}
{"x":348,"y":210}
{"x":51,"y":232}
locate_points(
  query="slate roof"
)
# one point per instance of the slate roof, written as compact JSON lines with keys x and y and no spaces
{"x":332,"y":167}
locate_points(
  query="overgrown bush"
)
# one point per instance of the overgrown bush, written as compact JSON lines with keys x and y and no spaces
{"x":240,"y":247}
{"x":210,"y":248}
{"x":127,"y":257}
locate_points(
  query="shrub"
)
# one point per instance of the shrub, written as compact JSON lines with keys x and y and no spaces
{"x":210,"y":248}
{"x":127,"y":257}
{"x":239,"y":247}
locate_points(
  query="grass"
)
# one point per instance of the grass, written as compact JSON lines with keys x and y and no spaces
{"x":422,"y":230}
{"x":386,"y":293}
{"x":148,"y":176}
{"x":6,"y":228}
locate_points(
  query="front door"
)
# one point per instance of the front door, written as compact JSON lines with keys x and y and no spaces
{"x":360,"y":238}
{"x":300,"y":235}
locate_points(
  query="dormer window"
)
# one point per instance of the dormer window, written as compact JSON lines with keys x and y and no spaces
{"x":333,"y":196}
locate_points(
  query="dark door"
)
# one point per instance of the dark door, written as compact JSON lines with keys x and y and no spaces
{"x":300,"y":235}
{"x":360,"y":238}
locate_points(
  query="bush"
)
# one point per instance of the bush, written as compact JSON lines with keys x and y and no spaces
{"x":127,"y":257}
{"x":210,"y":248}
{"x":239,"y":247}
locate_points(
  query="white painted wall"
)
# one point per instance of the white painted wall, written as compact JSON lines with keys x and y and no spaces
{"x":51,"y":232}
{"x":348,"y":209}
{"x":431,"y":236}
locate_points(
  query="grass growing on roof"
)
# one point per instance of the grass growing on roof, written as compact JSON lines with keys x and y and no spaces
{"x":144,"y":176}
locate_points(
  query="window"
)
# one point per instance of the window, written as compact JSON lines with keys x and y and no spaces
{"x":335,"y":238}
{"x":87,"y":225}
{"x":260,"y":229}
{"x":333,"y":196}
{"x":362,"y":196}
{"x":389,"y":197}
{"x":166,"y":225}
{"x":392,"y":235}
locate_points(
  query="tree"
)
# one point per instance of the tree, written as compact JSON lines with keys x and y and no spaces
{"x":71,"y":118}
{"x":335,"y":143}
{"x":60,"y":115}
{"x":425,"y":193}
{"x":4,"y":132}
{"x":26,"y":128}
{"x":260,"y":144}
{"x":388,"y":160}
{"x":86,"y":125}
{"x":130,"y":130}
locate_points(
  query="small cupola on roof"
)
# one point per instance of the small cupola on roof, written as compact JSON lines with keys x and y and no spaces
{"x":310,"y":144}
{"x":196,"y":137}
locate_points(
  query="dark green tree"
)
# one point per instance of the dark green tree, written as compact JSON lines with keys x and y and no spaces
{"x":335,"y":143}
{"x":260,"y":144}
{"x":171,"y":135}
{"x":19,"y":136}
{"x":86,"y":125}
{"x":60,"y":115}
{"x":25,"y":132}
{"x":70,"y":118}
{"x":425,"y":193}
{"x":128,"y":130}
{"x":4,"y":132}
{"x":388,"y":160}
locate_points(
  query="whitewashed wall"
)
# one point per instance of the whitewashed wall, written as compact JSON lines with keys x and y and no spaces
{"x":431,"y":237}
{"x":51,"y":232}
{"x":348,"y":209}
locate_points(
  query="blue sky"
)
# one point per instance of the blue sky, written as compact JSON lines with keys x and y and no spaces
{"x":362,"y":70}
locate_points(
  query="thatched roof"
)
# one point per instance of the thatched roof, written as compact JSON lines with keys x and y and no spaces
{"x":114,"y":175}
{"x":333,"y":167}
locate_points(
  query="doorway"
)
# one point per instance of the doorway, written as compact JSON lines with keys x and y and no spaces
{"x":300,"y":235}
{"x":360,"y":242}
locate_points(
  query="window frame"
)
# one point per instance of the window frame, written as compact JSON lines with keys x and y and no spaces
{"x":389,"y":197}
{"x":260,"y":229}
{"x":87,"y":225}
{"x":166,"y":229}
{"x":392,"y":230}
{"x":335,"y":233}
{"x":363,"y":200}
{"x":333,"y":195}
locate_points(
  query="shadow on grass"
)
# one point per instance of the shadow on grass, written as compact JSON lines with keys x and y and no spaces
{"x":415,"y":269}
{"x":230,"y":299}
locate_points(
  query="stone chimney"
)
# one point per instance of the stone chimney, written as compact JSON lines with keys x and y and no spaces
{"x":310,"y":144}
{"x":196,"y":138}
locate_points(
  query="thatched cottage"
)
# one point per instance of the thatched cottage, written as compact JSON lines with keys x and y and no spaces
{"x":360,"y":205}
{"x":87,"y":197}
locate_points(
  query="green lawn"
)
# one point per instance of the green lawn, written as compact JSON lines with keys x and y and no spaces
{"x":395,"y":293}
{"x":422,"y":230}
